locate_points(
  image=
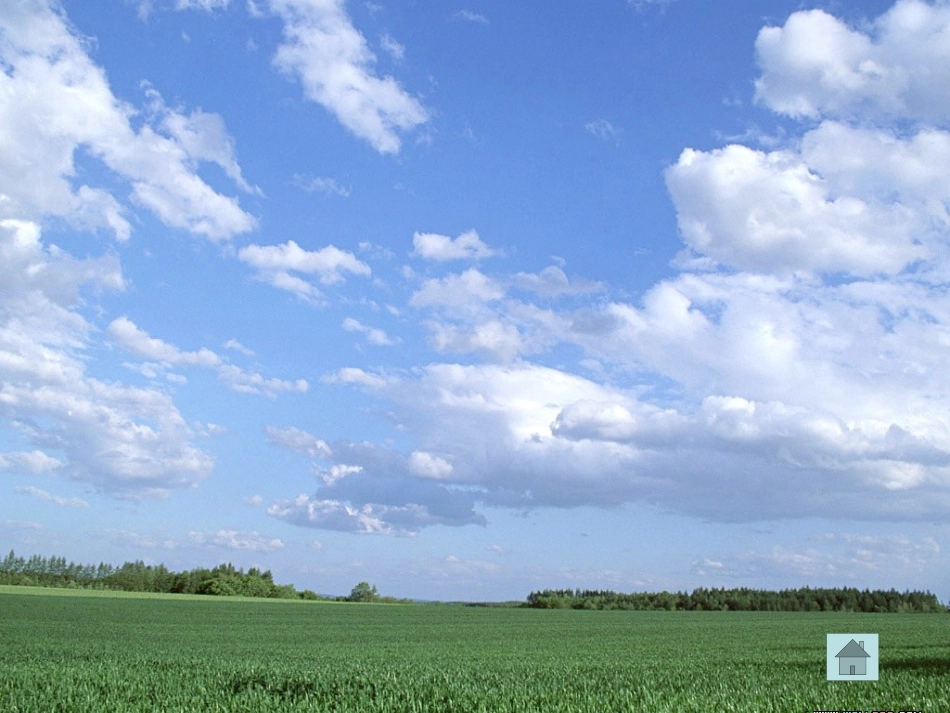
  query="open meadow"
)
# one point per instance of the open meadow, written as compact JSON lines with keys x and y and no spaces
{"x":78,"y":651}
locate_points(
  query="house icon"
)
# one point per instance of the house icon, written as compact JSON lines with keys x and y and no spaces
{"x":853,"y":659}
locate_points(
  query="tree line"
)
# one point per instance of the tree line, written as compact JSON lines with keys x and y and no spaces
{"x":223,"y":580}
{"x":846,"y":599}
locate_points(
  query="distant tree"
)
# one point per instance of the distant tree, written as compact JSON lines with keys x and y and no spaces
{"x":363,"y":592}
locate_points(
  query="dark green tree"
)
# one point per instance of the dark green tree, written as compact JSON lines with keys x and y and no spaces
{"x":363,"y":592}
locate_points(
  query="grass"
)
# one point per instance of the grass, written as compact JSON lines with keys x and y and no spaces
{"x":93,"y":652}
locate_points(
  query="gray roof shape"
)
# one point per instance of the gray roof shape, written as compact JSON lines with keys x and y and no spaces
{"x":852,"y":650}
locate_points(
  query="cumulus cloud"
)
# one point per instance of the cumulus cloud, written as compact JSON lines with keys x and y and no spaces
{"x":441,"y":248}
{"x":427,"y":465}
{"x":815,"y":65}
{"x":57,"y":104}
{"x":475,"y":313}
{"x":552,"y":281}
{"x":493,"y":337}
{"x":462,"y":292}
{"x":328,"y":55}
{"x":768,"y":212}
{"x":275,"y":263}
{"x":372,"y":489}
{"x":127,"y":441}
{"x":770,"y":423}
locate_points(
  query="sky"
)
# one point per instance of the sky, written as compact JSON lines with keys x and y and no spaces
{"x":469,"y":299}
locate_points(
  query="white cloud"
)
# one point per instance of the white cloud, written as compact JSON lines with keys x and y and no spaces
{"x":467,"y":246}
{"x":249,"y":382}
{"x":130,"y":336}
{"x":56,"y":103}
{"x":352,"y":375}
{"x":603,"y":130}
{"x":251,"y":541}
{"x":373,"y":335}
{"x":769,"y":212}
{"x":49,"y":497}
{"x":794,"y":367}
{"x":830,"y":559}
{"x":274,"y":264}
{"x":881,"y":166}
{"x":33,"y":462}
{"x":127,"y":441}
{"x":338,"y":472}
{"x":458,"y":293}
{"x":235,"y":345}
{"x":427,"y":465}
{"x":322,"y":184}
{"x":371,"y":489}
{"x":471,"y":16}
{"x":298,"y":441}
{"x":393,"y":48}
{"x":124,"y":331}
{"x":370,"y":518}
{"x":331,"y":59}
{"x":130,"y":538}
{"x":206,"y":5}
{"x":815,"y":65}
{"x":203,"y":137}
{"x":553,"y":282}
{"x":333,"y":515}
{"x":496,"y":338}
{"x":524,"y":435}
{"x":642,"y":5}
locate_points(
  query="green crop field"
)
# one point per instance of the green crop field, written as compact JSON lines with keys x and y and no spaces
{"x":79,"y":652}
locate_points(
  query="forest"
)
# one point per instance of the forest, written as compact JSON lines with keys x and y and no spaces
{"x":223,"y":580}
{"x":804,"y":599}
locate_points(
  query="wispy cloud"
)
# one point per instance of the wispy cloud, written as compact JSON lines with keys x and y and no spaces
{"x":328,"y":55}
{"x":322,"y":184}
{"x":373,"y":335}
{"x":49,"y":497}
{"x":471,"y":16}
{"x":161,"y":354}
{"x":603,"y":130}
{"x":251,"y":541}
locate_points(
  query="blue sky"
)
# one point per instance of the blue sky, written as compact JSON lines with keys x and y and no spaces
{"x":468,"y":299}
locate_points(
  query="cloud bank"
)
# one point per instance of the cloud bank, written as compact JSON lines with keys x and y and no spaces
{"x":793,"y":367}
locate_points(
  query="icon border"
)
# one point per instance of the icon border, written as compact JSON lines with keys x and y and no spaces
{"x":835,"y":642}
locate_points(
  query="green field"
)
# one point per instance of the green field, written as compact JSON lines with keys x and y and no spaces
{"x":80,"y":652}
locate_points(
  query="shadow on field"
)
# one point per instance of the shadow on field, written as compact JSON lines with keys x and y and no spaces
{"x":288,"y":689}
{"x":929,"y":666}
